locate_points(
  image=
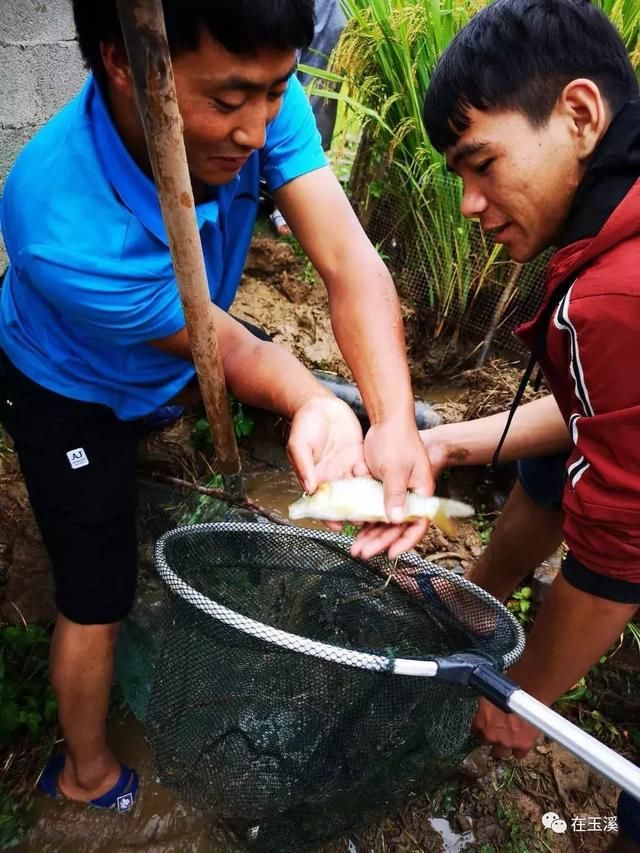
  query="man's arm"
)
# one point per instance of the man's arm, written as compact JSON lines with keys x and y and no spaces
{"x":571,"y":632}
{"x":366,"y":319}
{"x":326,"y":439}
{"x":252,"y":365}
{"x":537,"y":429}
{"x":365,"y":311}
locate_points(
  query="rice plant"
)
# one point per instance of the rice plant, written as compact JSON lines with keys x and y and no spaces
{"x":382,"y":68}
{"x":383,"y":63}
{"x":625,"y":15}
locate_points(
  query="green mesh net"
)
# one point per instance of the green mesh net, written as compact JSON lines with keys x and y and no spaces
{"x":262,"y":666}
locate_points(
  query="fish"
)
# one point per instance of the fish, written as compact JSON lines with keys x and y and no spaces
{"x":361,"y":499}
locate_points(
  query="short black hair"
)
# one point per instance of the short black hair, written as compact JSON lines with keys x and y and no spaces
{"x":241,"y":26}
{"x":520,"y":54}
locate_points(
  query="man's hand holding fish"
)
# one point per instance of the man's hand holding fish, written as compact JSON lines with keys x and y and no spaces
{"x":395,"y":455}
{"x":326,"y":444}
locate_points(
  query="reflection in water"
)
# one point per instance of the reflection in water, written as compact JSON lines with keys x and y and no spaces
{"x":452,"y":841}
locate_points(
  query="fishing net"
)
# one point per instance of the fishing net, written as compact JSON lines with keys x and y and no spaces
{"x":264,"y":677}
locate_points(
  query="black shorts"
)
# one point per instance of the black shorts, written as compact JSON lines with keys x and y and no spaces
{"x":79,"y":463}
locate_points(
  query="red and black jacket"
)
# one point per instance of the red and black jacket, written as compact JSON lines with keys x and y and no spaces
{"x":586,"y":339}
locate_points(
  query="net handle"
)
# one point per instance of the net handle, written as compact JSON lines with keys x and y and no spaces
{"x":468,"y":670}
{"x":603,"y":759}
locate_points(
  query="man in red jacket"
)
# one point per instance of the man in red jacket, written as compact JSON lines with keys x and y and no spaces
{"x":535,"y":105}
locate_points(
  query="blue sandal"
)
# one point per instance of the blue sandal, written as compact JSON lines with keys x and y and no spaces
{"x":121,"y":797}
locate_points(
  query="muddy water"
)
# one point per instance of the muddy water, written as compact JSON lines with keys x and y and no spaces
{"x":274,"y":489}
{"x":444,"y":395}
{"x":158,"y":824}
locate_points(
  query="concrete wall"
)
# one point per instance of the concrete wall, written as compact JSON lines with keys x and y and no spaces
{"x":40,"y":70}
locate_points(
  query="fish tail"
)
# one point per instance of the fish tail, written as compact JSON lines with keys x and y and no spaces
{"x":444,"y":522}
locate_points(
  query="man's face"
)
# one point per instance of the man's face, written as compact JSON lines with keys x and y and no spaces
{"x":226,"y":102}
{"x":519,"y":180}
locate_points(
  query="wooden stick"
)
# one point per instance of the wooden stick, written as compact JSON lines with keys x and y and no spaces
{"x":145,"y":38}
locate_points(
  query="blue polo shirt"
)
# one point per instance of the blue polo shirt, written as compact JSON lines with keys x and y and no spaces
{"x":90,"y":280}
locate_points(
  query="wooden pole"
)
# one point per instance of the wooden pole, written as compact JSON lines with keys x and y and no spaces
{"x":145,"y":38}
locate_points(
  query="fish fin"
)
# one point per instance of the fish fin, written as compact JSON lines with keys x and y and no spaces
{"x":445,"y":523}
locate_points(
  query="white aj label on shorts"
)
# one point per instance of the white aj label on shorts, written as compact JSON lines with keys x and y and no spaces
{"x":77,"y":458}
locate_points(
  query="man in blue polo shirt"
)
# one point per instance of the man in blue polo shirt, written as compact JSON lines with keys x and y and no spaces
{"x":92,"y":335}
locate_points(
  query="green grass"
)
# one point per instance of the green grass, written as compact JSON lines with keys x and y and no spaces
{"x":484,"y":522}
{"x":633,"y":631}
{"x":243,"y":426}
{"x":27,"y":722}
{"x":520,"y":604}
{"x":625,"y":15}
{"x":15,"y":817}
{"x":519,"y":835}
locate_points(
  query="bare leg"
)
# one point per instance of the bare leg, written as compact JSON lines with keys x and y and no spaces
{"x":81,"y":666}
{"x":525,"y":535}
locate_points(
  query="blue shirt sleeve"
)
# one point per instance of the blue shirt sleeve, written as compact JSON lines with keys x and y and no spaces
{"x":293,"y":145}
{"x":119,"y":302}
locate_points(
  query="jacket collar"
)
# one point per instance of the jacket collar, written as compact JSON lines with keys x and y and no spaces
{"x":623,"y":223}
{"x":612,"y":171}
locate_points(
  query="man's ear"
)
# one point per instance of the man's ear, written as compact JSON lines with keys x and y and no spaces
{"x":581,"y":103}
{"x":116,"y":65}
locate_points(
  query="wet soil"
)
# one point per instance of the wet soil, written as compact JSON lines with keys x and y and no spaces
{"x":499,"y":804}
{"x":282,"y":294}
{"x":26,"y":590}
{"x":159,"y":824}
